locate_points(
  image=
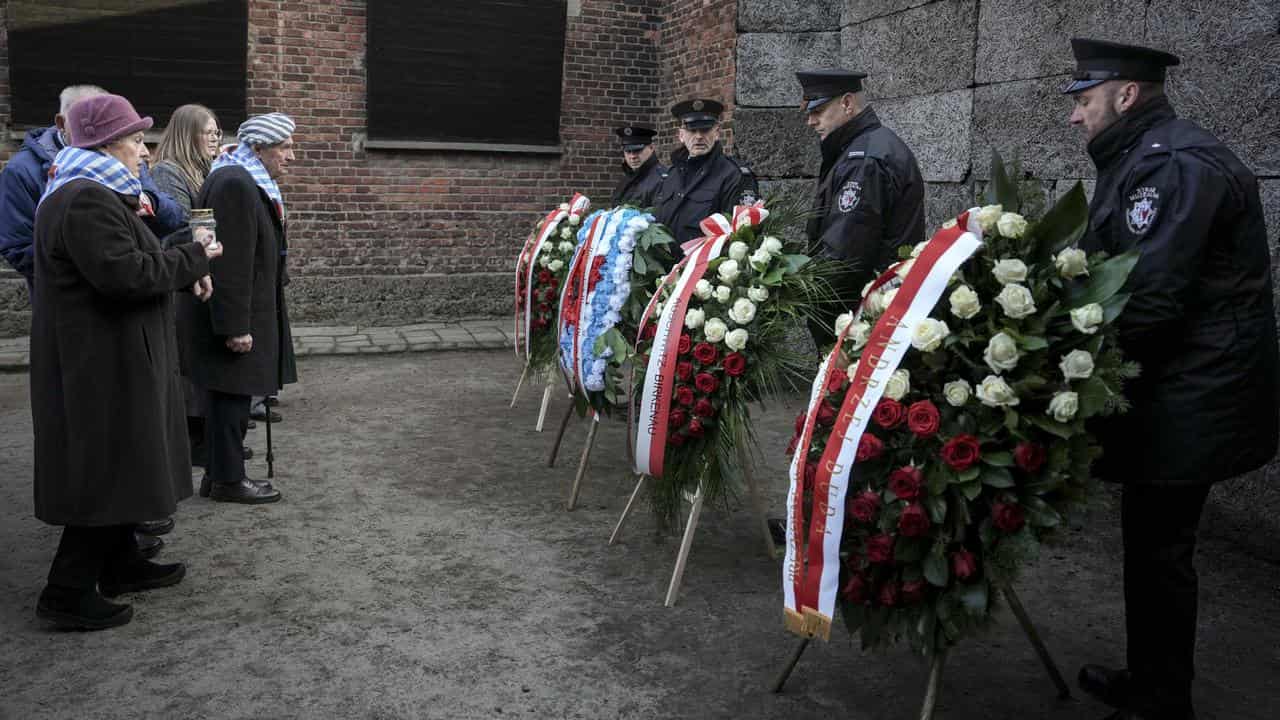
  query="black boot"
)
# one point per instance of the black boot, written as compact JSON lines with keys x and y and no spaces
{"x":149,"y":546}
{"x":137,"y":577}
{"x":72,"y":609}
{"x":248,"y":492}
{"x":155,"y":527}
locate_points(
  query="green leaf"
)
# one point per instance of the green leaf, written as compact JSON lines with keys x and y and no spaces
{"x":795,"y":262}
{"x":998,"y":458}
{"x":974,"y":598}
{"x":937,"y":477}
{"x":1104,"y":281}
{"x":1050,"y":426}
{"x":1113,"y":306}
{"x":970,"y":474}
{"x":638,"y":264}
{"x":936,"y":570}
{"x":937,"y":507}
{"x":909,"y":550}
{"x":1062,"y":225}
{"x":773,"y":277}
{"x":1093,"y":394}
{"x":1033,"y":342}
{"x":1001,"y":190}
{"x":971,"y":490}
{"x":997,"y":477}
{"x":1041,"y":513}
{"x":1011,"y":418}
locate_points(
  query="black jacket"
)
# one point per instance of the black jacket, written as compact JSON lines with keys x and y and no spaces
{"x":638,"y":187}
{"x":1200,"y":318}
{"x":870,"y":200}
{"x":698,"y":188}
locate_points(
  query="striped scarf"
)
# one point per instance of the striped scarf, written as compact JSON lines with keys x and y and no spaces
{"x":75,"y":163}
{"x":245,"y":157}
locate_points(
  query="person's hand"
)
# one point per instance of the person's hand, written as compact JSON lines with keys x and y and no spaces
{"x":203,"y":289}
{"x":209,"y":241}
{"x":240,"y":343}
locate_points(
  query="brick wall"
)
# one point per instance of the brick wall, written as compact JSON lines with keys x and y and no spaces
{"x":697,"y":46}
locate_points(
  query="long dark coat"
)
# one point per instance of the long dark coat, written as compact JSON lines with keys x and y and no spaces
{"x":248,"y":293}
{"x":693,"y":190}
{"x":1201,"y":317}
{"x":106,"y":399}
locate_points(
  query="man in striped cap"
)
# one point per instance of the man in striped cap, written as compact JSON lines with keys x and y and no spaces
{"x":240,"y":345}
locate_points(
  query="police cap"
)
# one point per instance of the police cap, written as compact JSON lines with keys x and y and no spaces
{"x":821,"y":86}
{"x":1098,"y":61}
{"x":697,"y":114}
{"x":634,"y":137}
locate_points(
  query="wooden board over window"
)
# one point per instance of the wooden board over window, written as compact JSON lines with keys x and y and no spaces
{"x":466,"y":71}
{"x":157,"y":53}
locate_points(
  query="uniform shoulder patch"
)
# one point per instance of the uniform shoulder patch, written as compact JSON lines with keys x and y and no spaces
{"x":748,"y":197}
{"x":1141,"y":209}
{"x":745,"y":170}
{"x":850,"y":195}
{"x":856,"y":153}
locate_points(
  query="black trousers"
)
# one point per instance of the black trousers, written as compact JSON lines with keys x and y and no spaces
{"x":85,"y":554}
{"x":224,"y":425}
{"x":1160,"y":588}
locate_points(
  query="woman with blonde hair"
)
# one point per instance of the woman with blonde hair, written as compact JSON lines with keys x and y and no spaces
{"x":185,"y":152}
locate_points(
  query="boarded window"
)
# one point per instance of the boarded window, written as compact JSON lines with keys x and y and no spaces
{"x":472,"y":71}
{"x":157,"y":53}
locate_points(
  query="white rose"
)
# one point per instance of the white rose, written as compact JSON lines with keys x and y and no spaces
{"x":1010,"y":270}
{"x":694,"y":318}
{"x":1087,"y":319}
{"x":566,"y":247}
{"x":760,"y":258}
{"x":758,"y":294}
{"x":743,"y":311}
{"x":566,"y":233}
{"x":703,"y":290}
{"x":1063,"y":406}
{"x":555,"y":265}
{"x":771,"y":245}
{"x":852,"y":370}
{"x":575,"y":220}
{"x":898,"y":385}
{"x":919,"y":248}
{"x":929,"y":334}
{"x":714,"y":330}
{"x":723,"y":293}
{"x":988,"y":216}
{"x":1077,"y":365}
{"x":842,"y":321}
{"x":964,"y":302}
{"x":728,"y":271}
{"x":738,"y":250}
{"x":1072,"y":262}
{"x":564,"y":207}
{"x":905,"y":268}
{"x":993,"y":391}
{"x":736,"y":339}
{"x":1016,"y":301}
{"x":1012,"y":225}
{"x":859,"y":334}
{"x":543,"y":260}
{"x":957,"y":392}
{"x":886,"y":298}
{"x":1001,"y":353}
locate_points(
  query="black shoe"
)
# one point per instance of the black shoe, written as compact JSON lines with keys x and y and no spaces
{"x":142,"y":576}
{"x":148,"y":545}
{"x":251,"y":425}
{"x":1106,"y":685}
{"x":248,"y":452}
{"x":155,"y":527}
{"x":260,"y":413}
{"x":72,"y":609}
{"x":246,"y":491}
{"x":778,"y":531}
{"x":206,"y":485}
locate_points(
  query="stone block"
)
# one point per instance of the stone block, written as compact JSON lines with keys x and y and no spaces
{"x":936,"y":128}
{"x":301,"y":331}
{"x":776,"y":143}
{"x":789,"y":15}
{"x":943,"y":202}
{"x":790,"y":193}
{"x":1027,"y":121}
{"x":902,"y":54}
{"x":1019,"y":39}
{"x":856,"y":11}
{"x":1229,"y":79}
{"x":767,"y":63}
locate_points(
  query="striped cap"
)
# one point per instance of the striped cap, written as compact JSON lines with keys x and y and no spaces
{"x":266,"y":129}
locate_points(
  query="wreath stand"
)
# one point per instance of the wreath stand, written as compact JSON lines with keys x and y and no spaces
{"x":939,"y":657}
{"x":546,"y":398}
{"x":691,"y":525}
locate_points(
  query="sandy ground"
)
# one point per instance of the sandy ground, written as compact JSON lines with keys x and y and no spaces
{"x":422,"y":565}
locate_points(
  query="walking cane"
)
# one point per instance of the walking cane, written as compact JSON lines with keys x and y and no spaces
{"x":267,"y":402}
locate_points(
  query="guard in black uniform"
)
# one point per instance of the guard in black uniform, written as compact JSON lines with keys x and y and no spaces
{"x":870,"y":197}
{"x":1201,"y":321}
{"x":642,"y":173}
{"x":703,"y":180}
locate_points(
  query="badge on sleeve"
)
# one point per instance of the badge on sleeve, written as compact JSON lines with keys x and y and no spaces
{"x":850,"y":194}
{"x":748,"y":197}
{"x":1144,"y":205}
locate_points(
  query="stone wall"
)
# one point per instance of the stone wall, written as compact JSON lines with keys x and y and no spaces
{"x":956,"y":78}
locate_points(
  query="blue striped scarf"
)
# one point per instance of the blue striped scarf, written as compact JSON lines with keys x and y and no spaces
{"x":245,"y":157}
{"x":75,"y":164}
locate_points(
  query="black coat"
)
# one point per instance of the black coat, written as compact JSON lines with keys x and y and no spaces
{"x":639,"y":187}
{"x":694,"y":190}
{"x":248,"y":293}
{"x":106,"y":401}
{"x":1201,"y":318}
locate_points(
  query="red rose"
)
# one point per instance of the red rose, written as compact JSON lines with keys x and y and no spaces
{"x":826,"y":415}
{"x":545,"y":276}
{"x":889,"y":594}
{"x":799,"y":421}
{"x":865,"y":506}
{"x":706,"y":383}
{"x":869,"y":448}
{"x":704,"y":408}
{"x":705,"y":353}
{"x":735,"y":364}
{"x":791,"y":449}
{"x":914,"y":522}
{"x":905,"y":482}
{"x":889,"y":414}
{"x":855,"y":589}
{"x":695,"y":428}
{"x":650,"y":331}
{"x":553,"y":282}
{"x":963,"y":564}
{"x":1007,"y":516}
{"x":810,"y":474}
{"x":923,"y":418}
{"x":675,"y":439}
{"x":677,"y":419}
{"x":539,"y":323}
{"x":913,"y":592}
{"x":836,"y":382}
{"x":961,"y":452}
{"x":1029,"y":456}
{"x":880,"y":548}
{"x":685,"y":343}
{"x":684,"y":395}
{"x":684,"y":369}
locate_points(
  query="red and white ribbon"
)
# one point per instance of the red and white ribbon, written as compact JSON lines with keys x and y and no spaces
{"x":811,"y":570}
{"x":527,"y":266}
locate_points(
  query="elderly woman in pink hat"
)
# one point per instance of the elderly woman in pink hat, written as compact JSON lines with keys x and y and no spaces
{"x":106,"y":403}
